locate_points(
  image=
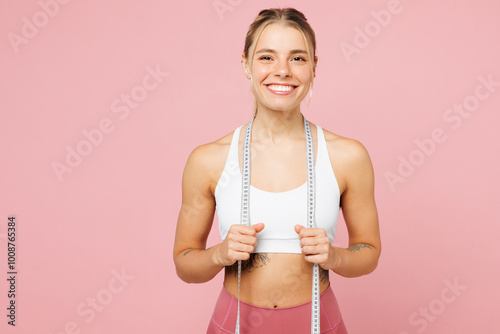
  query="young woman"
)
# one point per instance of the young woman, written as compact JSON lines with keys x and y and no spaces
{"x":277,"y":249}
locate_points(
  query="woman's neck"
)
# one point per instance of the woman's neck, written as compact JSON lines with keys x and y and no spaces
{"x":276,"y":125}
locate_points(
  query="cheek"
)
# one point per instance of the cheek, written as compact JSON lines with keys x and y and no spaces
{"x":260,"y":73}
{"x":303,"y":73}
{"x":305,"y":77}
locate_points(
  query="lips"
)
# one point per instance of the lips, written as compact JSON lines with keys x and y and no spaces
{"x":281,"y":89}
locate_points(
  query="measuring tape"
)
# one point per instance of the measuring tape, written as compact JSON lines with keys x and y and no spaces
{"x":311,"y":220}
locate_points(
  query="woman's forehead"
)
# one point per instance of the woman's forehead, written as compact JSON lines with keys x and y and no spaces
{"x":280,"y":38}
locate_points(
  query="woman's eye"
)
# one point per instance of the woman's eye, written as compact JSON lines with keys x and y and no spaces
{"x":294,"y":59}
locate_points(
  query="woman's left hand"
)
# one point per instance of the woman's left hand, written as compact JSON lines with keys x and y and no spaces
{"x":316,"y":247}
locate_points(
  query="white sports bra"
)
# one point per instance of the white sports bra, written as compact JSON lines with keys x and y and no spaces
{"x":279,"y":211}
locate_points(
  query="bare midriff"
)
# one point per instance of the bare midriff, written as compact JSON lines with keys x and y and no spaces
{"x":274,"y":280}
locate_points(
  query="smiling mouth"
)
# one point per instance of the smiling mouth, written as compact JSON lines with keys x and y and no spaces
{"x":281,"y":88}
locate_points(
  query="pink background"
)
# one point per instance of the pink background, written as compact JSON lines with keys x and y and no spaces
{"x":117,"y":208}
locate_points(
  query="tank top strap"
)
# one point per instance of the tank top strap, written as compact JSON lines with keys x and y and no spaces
{"x":230,"y":170}
{"x":322,"y":149}
{"x":233,"y":150}
{"x":323,"y":164}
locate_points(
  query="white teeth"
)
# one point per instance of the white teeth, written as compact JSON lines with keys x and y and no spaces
{"x":280,"y":88}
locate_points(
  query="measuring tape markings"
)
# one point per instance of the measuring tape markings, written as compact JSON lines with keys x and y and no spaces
{"x":245,"y":203}
{"x":311,"y":222}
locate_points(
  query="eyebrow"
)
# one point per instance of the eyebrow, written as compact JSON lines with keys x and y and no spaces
{"x":292,"y":52}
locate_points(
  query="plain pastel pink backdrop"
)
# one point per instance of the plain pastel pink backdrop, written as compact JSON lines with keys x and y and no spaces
{"x":114,"y":214}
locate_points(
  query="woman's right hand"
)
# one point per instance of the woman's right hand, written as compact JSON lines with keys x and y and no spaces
{"x":238,"y":244}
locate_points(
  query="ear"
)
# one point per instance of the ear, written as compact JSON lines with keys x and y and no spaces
{"x":244,"y":63}
{"x":315,"y":64}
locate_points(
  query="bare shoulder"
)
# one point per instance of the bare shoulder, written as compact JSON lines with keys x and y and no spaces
{"x":210,"y":153}
{"x":206,"y":162}
{"x":349,"y":158}
{"x":345,"y":147}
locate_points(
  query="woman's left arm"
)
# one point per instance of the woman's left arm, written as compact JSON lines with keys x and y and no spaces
{"x":361,"y":218}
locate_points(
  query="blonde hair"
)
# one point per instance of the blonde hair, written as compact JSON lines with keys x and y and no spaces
{"x":285,"y":16}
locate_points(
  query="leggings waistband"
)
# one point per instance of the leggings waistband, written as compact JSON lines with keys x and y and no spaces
{"x":293,"y":319}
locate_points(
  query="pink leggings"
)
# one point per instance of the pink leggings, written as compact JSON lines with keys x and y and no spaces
{"x":262,"y":320}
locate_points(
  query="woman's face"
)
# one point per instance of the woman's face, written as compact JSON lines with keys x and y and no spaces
{"x":280,"y":68}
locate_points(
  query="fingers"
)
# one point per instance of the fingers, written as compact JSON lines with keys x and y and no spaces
{"x":309,"y":232}
{"x":311,"y":236}
{"x":314,"y":243}
{"x":318,"y":253}
{"x":298,"y":228}
{"x":240,"y":242}
{"x":247,"y":230}
{"x":258,"y":227}
{"x":315,"y":250}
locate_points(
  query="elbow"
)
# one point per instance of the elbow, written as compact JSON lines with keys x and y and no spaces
{"x":181,"y":272}
{"x":374,"y":263}
{"x":372,"y":268}
{"x":188,"y":278}
{"x":183,"y":277}
{"x":184,"y":274}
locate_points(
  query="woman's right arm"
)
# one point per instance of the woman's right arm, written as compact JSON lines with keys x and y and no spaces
{"x":193,"y":262}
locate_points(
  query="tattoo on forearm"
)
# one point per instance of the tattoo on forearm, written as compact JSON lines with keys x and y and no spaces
{"x":188,"y":251}
{"x":255,"y":261}
{"x":358,"y":247}
{"x":324,"y":276}
{"x":193,"y":249}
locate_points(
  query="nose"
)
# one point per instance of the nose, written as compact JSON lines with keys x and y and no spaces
{"x":282,"y":69}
